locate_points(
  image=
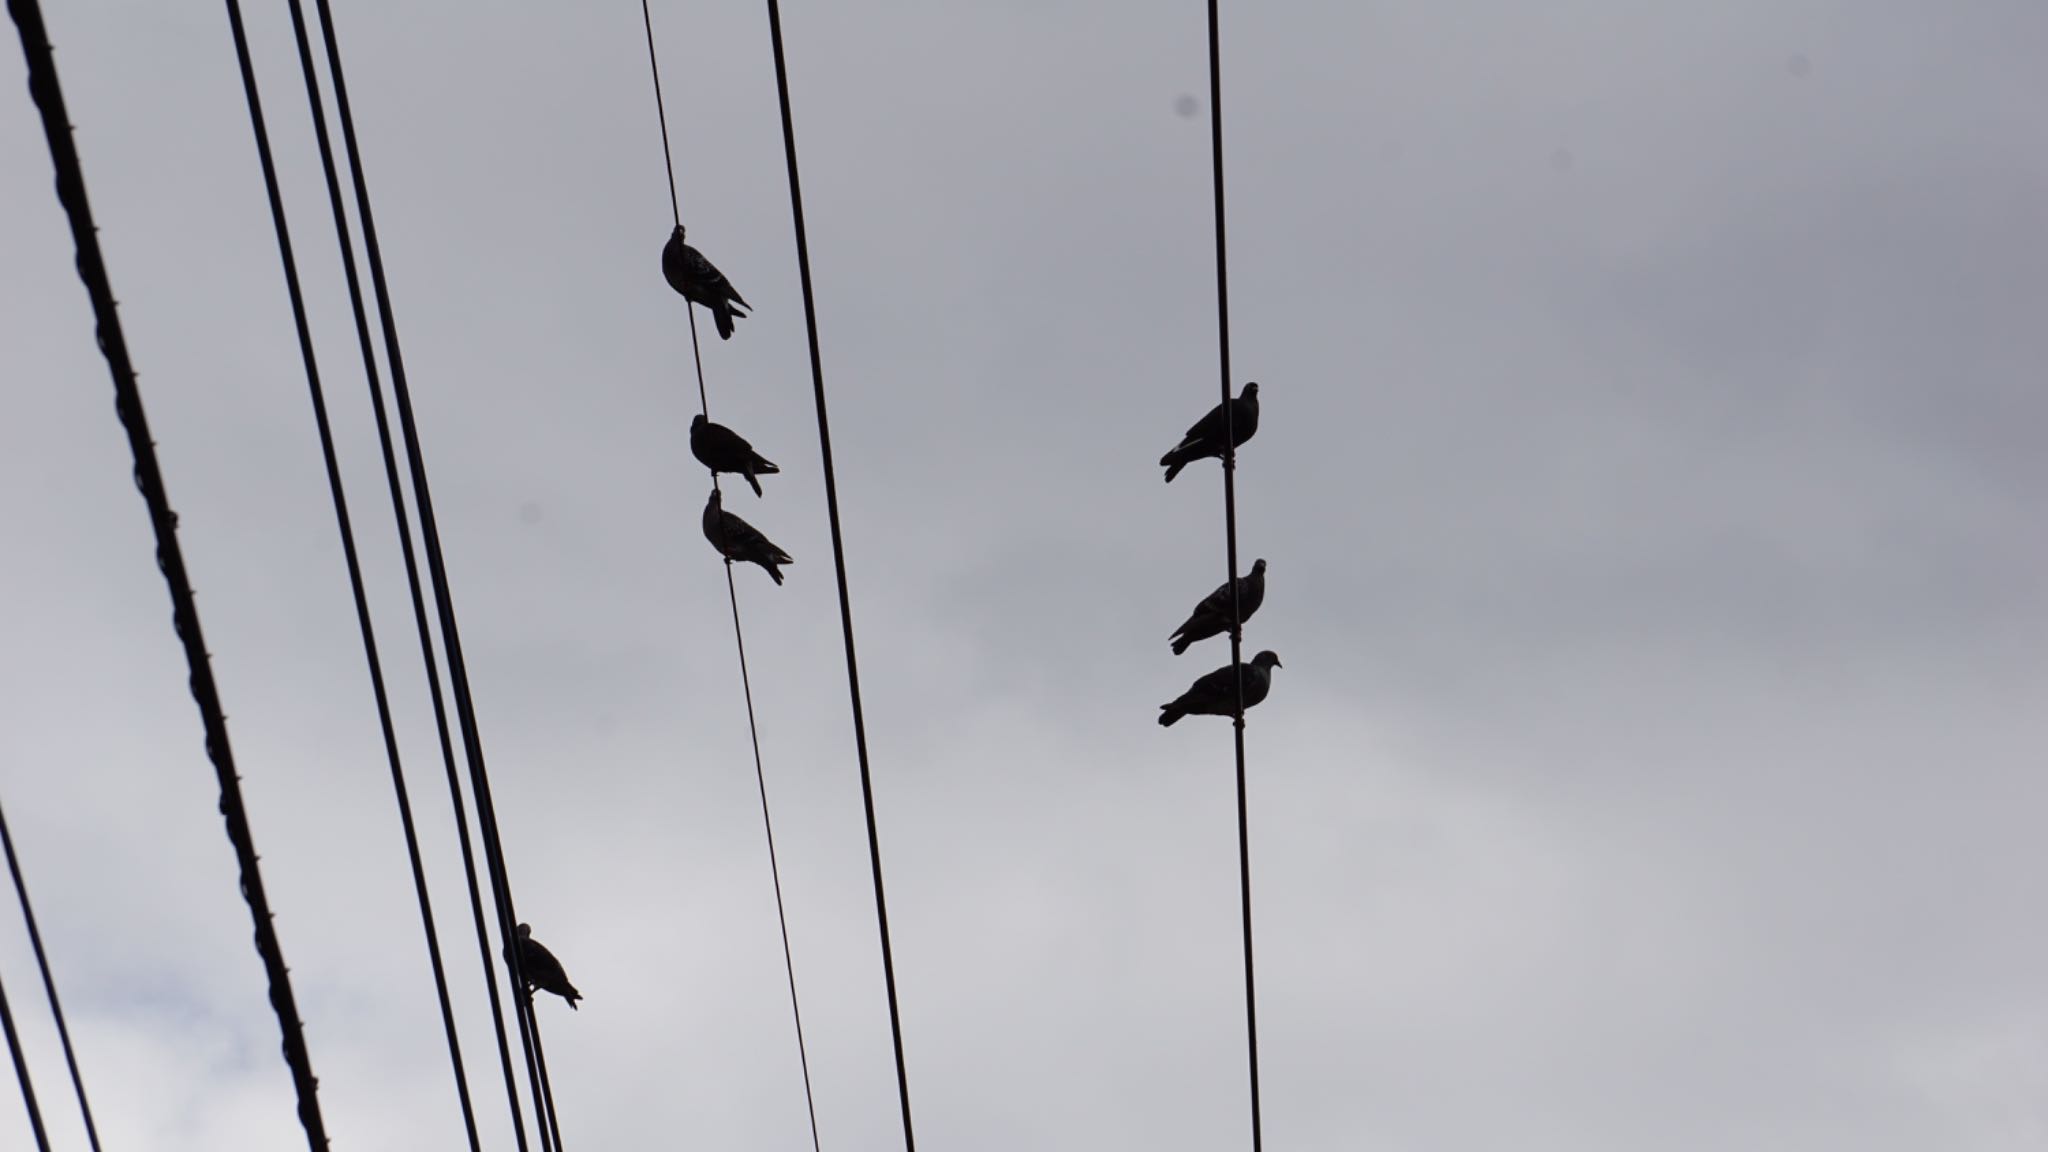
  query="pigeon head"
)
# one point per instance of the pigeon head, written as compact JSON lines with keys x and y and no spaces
{"x":1259,"y":567}
{"x":678,"y":233}
{"x":1251,"y":390}
{"x":717,"y":500}
{"x":1267,"y":659}
{"x":525,"y":930}
{"x":697,"y":422}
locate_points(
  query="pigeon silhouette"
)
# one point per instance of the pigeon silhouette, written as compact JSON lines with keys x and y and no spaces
{"x":1216,"y":693}
{"x":700,"y":282}
{"x":541,"y":969}
{"x":736,"y":539}
{"x":723,"y":450}
{"x":1206,"y":438}
{"x":1212,"y":616}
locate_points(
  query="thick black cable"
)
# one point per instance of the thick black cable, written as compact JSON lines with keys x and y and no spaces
{"x":421,"y":626}
{"x":92,"y":270}
{"x":430,"y":534}
{"x":860,"y":737}
{"x":35,"y":941}
{"x":738,"y":634}
{"x":1244,"y":840}
{"x":28,"y":1087}
{"x":353,"y":563}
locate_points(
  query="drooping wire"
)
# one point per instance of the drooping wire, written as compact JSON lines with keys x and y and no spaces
{"x":35,"y":941}
{"x":1244,"y":840}
{"x":92,"y":269}
{"x":28,"y":1086}
{"x":860,"y":738}
{"x":425,"y":634}
{"x":738,"y":633}
{"x":444,"y":604}
{"x":353,"y":562}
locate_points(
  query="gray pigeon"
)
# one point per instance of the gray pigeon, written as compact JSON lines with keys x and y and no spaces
{"x":700,"y":282}
{"x":723,"y":450}
{"x":1206,"y":438}
{"x":1216,"y":693}
{"x":541,"y":969}
{"x":736,"y":539}
{"x":1212,"y":616}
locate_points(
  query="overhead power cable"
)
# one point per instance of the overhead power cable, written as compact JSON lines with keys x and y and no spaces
{"x":430,"y":535}
{"x":28,"y":1085}
{"x":738,"y":633}
{"x":349,"y":554}
{"x":860,"y":737}
{"x":35,"y":941}
{"x":92,"y":269}
{"x":1244,"y":841}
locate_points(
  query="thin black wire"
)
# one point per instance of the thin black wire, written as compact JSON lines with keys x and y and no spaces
{"x":458,"y":668}
{"x":353,"y":563}
{"x":35,"y":941}
{"x":28,"y":1087}
{"x":92,"y":270}
{"x":675,"y":204}
{"x":1244,"y":839}
{"x":738,"y":634}
{"x":424,"y":630}
{"x":860,"y":738}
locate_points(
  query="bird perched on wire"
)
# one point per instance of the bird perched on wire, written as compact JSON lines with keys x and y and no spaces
{"x":700,"y":282}
{"x":736,"y":539}
{"x":541,"y":969}
{"x":1206,"y":437}
{"x":1216,"y":693}
{"x":1212,"y":616}
{"x":723,"y":450}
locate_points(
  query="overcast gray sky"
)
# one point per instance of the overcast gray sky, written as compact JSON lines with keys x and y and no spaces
{"x":1650,"y":475}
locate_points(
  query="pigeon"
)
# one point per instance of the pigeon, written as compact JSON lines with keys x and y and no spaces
{"x":736,"y":539}
{"x":1212,"y":616}
{"x":541,"y":969}
{"x":1205,"y":439}
{"x":700,"y":282}
{"x":723,"y":450}
{"x":1216,"y":693}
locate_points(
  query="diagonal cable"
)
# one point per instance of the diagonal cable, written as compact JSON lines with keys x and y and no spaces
{"x":35,"y":940}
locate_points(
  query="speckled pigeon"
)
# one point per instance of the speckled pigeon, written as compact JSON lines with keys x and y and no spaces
{"x":700,"y":282}
{"x":1216,"y":693}
{"x":1212,"y":616}
{"x":723,"y":450}
{"x":1206,"y":438}
{"x":541,"y":969}
{"x":736,"y":539}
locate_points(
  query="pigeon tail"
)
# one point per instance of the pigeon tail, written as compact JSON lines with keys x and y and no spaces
{"x":775,"y":572}
{"x":1180,"y":644}
{"x":1168,"y":714}
{"x":1173,"y":466}
{"x":722,"y":315}
{"x":753,"y":483}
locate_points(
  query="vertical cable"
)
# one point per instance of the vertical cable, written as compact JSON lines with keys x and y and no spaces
{"x":738,"y":634}
{"x":352,"y":562}
{"x":1244,"y":840}
{"x":28,"y":1087}
{"x":430,"y":535}
{"x":92,"y":270}
{"x":35,"y":941}
{"x":860,"y":737}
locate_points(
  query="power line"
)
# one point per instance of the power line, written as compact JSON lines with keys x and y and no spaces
{"x":738,"y":633}
{"x":458,"y":669}
{"x":28,"y":1087}
{"x":860,"y":738}
{"x":349,"y":556}
{"x":92,"y":269}
{"x":35,"y":941}
{"x":421,"y":626}
{"x":1244,"y":840}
